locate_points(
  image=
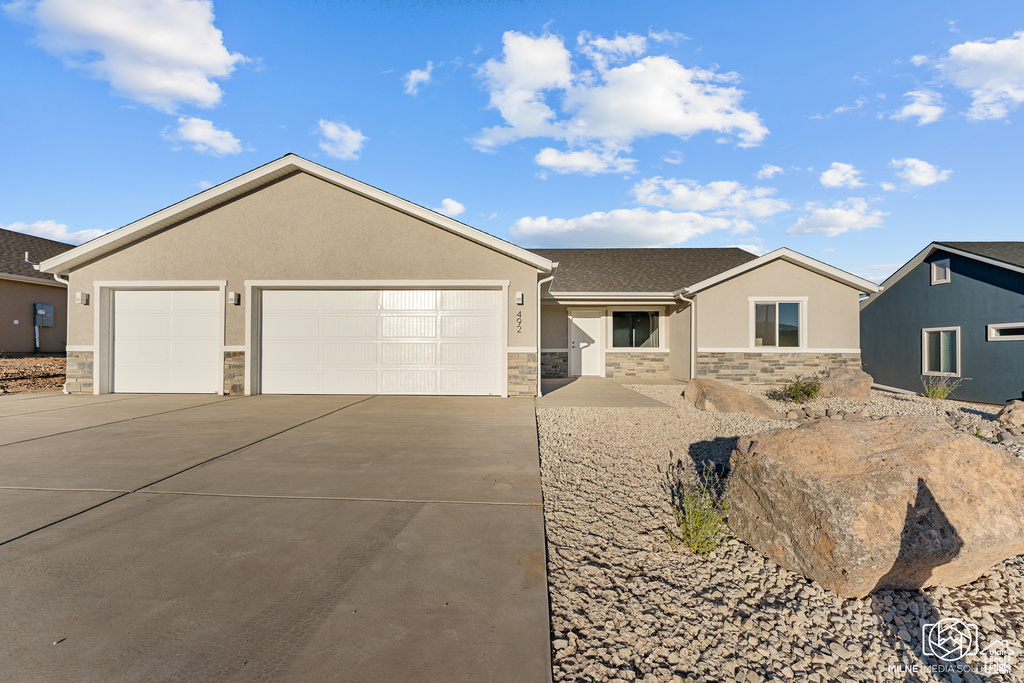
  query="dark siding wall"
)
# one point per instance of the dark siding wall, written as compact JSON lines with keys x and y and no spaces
{"x":977,"y":295}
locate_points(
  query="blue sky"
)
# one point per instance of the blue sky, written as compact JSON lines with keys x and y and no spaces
{"x":855,"y":133}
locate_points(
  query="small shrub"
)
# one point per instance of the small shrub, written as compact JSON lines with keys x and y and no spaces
{"x":941,"y":386}
{"x":800,"y":390}
{"x":702,"y":513}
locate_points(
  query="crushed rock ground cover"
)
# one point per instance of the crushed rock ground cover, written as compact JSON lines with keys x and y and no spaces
{"x":628,"y":605}
{"x":31,"y":374}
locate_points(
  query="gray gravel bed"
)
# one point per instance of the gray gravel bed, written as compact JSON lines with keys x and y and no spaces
{"x":627,"y":605}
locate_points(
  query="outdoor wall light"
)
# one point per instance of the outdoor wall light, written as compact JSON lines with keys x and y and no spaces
{"x":234,"y":298}
{"x":82,"y":298}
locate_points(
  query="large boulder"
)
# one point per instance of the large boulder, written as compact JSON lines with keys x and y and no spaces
{"x":719,"y":397}
{"x":1012,"y":413}
{"x":900,"y":502}
{"x":850,"y":383}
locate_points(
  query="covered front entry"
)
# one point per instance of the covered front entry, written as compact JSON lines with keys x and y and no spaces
{"x":382,"y":341}
{"x":586,"y":352}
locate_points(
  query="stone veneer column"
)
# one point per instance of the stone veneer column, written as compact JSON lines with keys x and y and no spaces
{"x":635,"y":364}
{"x":554,"y":364}
{"x":768,"y":368}
{"x":79,"y":372}
{"x":522,"y":374}
{"x":234,"y":372}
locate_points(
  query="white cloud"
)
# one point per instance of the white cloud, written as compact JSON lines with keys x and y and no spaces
{"x":857,"y":104}
{"x":918,"y":60}
{"x":878,"y":273}
{"x":723,"y":198}
{"x":991,"y":71}
{"x":667,"y":36}
{"x":162,"y":53}
{"x":841,"y":175}
{"x":340,"y":140}
{"x":204,"y":137}
{"x":925,"y":105}
{"x":417,"y":77}
{"x":756,"y":248}
{"x":587,"y":162}
{"x":919,"y":173}
{"x":451,"y":208}
{"x":888,"y":187}
{"x":603,"y":111}
{"x":842,"y":216}
{"x":52,"y":230}
{"x":619,"y":228}
{"x":769,"y":171}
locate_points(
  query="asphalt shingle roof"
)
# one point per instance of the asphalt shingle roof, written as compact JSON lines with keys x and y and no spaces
{"x":13,"y":246}
{"x":639,"y":270}
{"x":1007,"y":252}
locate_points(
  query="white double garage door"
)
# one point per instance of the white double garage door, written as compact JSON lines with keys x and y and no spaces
{"x":338,"y":341}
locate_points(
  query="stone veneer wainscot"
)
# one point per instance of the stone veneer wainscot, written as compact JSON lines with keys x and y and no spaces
{"x":635,"y":364}
{"x":554,"y":364}
{"x":79,"y":372}
{"x":234,"y":372}
{"x":522,"y":374}
{"x":768,"y":368}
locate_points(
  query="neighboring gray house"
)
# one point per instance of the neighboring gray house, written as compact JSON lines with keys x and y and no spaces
{"x":22,"y":286}
{"x":296,"y":279}
{"x":955,"y":310}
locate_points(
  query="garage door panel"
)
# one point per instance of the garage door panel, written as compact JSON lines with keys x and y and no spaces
{"x":383,"y":341}
{"x":167,"y":341}
{"x":352,"y":353}
{"x":290,"y":301}
{"x":352,"y":325}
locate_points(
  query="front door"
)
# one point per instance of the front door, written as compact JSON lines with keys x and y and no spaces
{"x":585,"y":343}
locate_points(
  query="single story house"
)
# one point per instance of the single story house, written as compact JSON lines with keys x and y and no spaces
{"x":22,"y":287}
{"x":295,"y":279}
{"x":955,"y":310}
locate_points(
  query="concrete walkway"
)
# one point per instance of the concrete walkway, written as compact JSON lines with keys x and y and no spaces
{"x":592,"y":392}
{"x":271,"y":537}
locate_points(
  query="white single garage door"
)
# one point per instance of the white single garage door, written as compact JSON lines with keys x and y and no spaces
{"x":167,"y":342}
{"x":382,"y":342}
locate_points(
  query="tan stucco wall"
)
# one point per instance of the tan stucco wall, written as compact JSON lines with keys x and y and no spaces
{"x":554,"y":326}
{"x":833,"y":315}
{"x":303,"y":228}
{"x":16,"y":299}
{"x":679,"y":334}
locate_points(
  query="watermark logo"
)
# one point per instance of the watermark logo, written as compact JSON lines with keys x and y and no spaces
{"x":949,"y":639}
{"x":998,"y":658}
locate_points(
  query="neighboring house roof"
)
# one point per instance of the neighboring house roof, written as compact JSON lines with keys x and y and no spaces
{"x":1011,"y":253}
{"x":636,"y":271}
{"x":13,"y":246}
{"x":1008,"y":255}
{"x":260,"y":177}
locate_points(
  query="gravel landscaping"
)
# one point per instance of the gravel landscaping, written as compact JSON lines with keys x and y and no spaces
{"x":31,"y":374}
{"x":628,"y":605}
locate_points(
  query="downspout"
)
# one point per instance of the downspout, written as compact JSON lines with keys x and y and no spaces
{"x":540,"y":285}
{"x":693,"y":332}
{"x":67,"y":283}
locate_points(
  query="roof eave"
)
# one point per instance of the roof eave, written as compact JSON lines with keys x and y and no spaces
{"x":796,"y":258}
{"x":259,"y":177}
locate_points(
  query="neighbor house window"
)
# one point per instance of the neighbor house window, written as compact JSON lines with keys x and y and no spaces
{"x":941,"y":351}
{"x":777,"y":323}
{"x":634,"y":329}
{"x":940,"y":272}
{"x":1006,"y":332}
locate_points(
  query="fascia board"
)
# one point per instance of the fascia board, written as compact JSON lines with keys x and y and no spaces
{"x":32,"y":280}
{"x":259,"y":177}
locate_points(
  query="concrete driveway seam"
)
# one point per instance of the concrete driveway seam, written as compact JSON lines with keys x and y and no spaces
{"x":127,"y":397}
{"x":45,"y":488}
{"x":348,"y":498}
{"x":182,"y":471}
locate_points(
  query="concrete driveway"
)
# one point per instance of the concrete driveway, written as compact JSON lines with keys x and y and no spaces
{"x":271,"y":537}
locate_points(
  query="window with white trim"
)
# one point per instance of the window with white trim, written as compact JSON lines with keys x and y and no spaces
{"x":940,"y":272}
{"x":635,"y":329}
{"x":777,"y":324}
{"x":1006,"y":332}
{"x":940,"y":351}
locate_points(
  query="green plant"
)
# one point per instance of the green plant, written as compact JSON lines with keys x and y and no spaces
{"x":800,"y":390}
{"x":702,"y":515}
{"x":941,"y":386}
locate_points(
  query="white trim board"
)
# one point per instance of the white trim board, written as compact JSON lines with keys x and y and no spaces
{"x":260,"y":177}
{"x":772,"y":349}
{"x":993,"y":327}
{"x":378,"y":284}
{"x":924,"y":351}
{"x":521,"y":349}
{"x":32,"y":280}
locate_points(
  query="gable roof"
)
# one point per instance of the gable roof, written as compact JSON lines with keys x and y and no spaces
{"x":260,"y":177}
{"x":1008,"y":255}
{"x":635,"y":271}
{"x":13,"y":246}
{"x":1011,"y":253}
{"x":790,"y":256}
